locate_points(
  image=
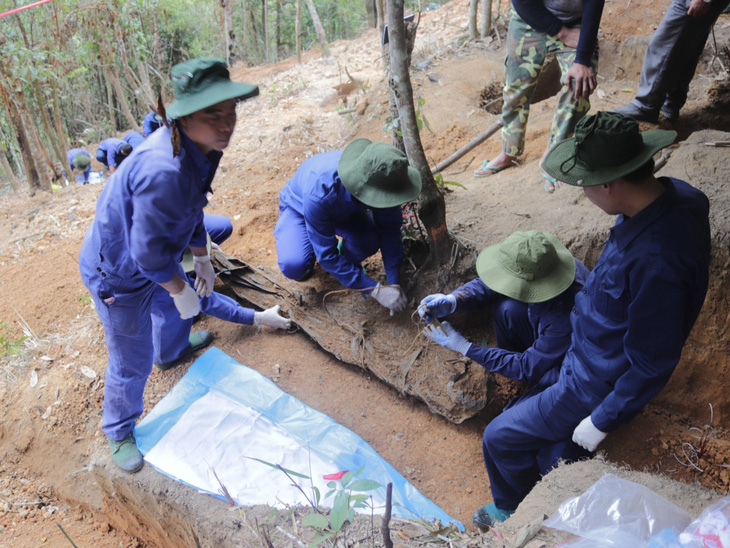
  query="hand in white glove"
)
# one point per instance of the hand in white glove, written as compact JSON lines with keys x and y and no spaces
{"x":186,"y":302}
{"x":436,"y":306}
{"x":448,"y":337}
{"x":204,"y":275}
{"x":587,"y":435}
{"x":390,"y":296}
{"x":270,"y":317}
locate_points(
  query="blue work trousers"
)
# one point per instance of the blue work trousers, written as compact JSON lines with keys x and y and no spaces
{"x":532,"y":433}
{"x":295,"y":253}
{"x":219,"y":227}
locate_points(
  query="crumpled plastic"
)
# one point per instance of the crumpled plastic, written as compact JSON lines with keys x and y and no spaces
{"x":618,"y":512}
{"x":711,"y":529}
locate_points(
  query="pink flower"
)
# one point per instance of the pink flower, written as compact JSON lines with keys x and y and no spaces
{"x":335,"y":476}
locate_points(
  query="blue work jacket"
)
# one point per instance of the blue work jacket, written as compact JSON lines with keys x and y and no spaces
{"x":150,"y":123}
{"x":317,"y":194}
{"x":150,"y":211}
{"x":111,"y":147}
{"x":134,"y":138}
{"x":550,"y":321}
{"x":71,"y":154}
{"x":639,"y":304}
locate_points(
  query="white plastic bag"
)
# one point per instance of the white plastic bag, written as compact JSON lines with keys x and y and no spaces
{"x":617,"y":512}
{"x":711,"y":529}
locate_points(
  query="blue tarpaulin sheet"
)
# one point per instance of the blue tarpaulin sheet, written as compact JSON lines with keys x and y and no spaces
{"x":222,"y":419}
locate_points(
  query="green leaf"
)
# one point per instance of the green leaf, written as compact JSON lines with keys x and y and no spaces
{"x":454,"y":183}
{"x":316,"y":521}
{"x":278,"y":467}
{"x":364,"y":485}
{"x":339,"y":510}
{"x":331,"y":485}
{"x":320,"y":540}
{"x":346,"y":479}
{"x":330,"y":493}
{"x":315,"y":490}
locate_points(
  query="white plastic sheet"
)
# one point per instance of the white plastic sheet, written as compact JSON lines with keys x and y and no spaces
{"x":222,"y":416}
{"x":617,"y":512}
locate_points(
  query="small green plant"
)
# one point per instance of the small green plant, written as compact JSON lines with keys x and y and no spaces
{"x":85,"y":299}
{"x":421,"y":119}
{"x":349,"y":492}
{"x":9,"y":346}
{"x":441,"y":182}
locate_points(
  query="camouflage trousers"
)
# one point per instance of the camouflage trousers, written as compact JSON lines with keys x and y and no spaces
{"x":526,"y":52}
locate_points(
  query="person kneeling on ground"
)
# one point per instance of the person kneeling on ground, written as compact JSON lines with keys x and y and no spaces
{"x":355,"y":193}
{"x":112,"y":151}
{"x":529,"y":281}
{"x":80,"y":161}
{"x":149,"y":212}
{"x":632,"y":317}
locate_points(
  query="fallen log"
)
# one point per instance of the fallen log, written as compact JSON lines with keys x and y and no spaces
{"x":357,"y":330}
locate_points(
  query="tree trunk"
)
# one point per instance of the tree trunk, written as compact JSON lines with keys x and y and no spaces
{"x":228,"y":31}
{"x":44,"y":166}
{"x":7,"y":170}
{"x":486,"y":27}
{"x":380,"y":4}
{"x":58,"y":150}
{"x":112,"y":76}
{"x":473,"y":5}
{"x":278,"y":31}
{"x":21,"y":136}
{"x":298,"y":31}
{"x":321,"y":36}
{"x":265,"y":29}
{"x":58,"y":121}
{"x":110,"y":102}
{"x":431,"y":204}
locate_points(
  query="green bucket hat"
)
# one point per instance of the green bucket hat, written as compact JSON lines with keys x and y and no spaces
{"x":81,"y":162}
{"x":201,"y":83}
{"x":606,"y":146}
{"x":531,"y":267}
{"x":378,"y":174}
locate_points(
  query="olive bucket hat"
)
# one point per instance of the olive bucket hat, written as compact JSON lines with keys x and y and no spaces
{"x":204,"y":82}
{"x":606,"y":146}
{"x":81,"y":162}
{"x":378,"y":174}
{"x":531,"y":267}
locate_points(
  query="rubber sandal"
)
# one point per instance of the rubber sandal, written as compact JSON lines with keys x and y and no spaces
{"x":550,"y":184}
{"x":196,"y":341}
{"x":486,"y":516}
{"x":487,"y":171}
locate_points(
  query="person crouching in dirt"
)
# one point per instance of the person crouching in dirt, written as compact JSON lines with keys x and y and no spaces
{"x":148,"y":214}
{"x":355,"y":193}
{"x":80,"y":161}
{"x":112,"y":151}
{"x":632,"y":317}
{"x":529,"y":281}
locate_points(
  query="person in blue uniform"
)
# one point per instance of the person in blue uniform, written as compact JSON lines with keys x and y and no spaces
{"x":80,"y":161}
{"x":356,"y":194}
{"x":632,"y":317}
{"x":149,"y":213}
{"x":134,"y":138}
{"x":529,"y":282}
{"x":151,"y":123}
{"x":112,"y":151}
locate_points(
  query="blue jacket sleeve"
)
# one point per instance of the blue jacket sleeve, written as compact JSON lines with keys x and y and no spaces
{"x":111,"y":156}
{"x":321,"y":232}
{"x":653,"y":344}
{"x":472,"y":295}
{"x":545,"y":354}
{"x":159,"y":211}
{"x":388,"y":222}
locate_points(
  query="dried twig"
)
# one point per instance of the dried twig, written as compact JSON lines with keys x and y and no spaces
{"x":385,"y":527}
{"x":291,"y":537}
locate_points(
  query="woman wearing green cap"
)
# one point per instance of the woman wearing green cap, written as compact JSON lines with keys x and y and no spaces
{"x":148,"y":214}
{"x":356,"y":194}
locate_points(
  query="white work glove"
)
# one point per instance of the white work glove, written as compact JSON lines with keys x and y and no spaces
{"x":587,"y":435}
{"x":448,"y":337}
{"x":270,"y":317}
{"x":390,"y":296}
{"x":204,"y":275}
{"x":186,"y":302}
{"x":436,"y":306}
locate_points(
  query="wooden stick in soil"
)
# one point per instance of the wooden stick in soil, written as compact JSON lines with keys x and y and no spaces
{"x":385,"y":527}
{"x":478,"y":140}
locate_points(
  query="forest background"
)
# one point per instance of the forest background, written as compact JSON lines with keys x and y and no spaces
{"x":74,"y":72}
